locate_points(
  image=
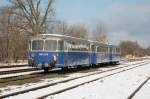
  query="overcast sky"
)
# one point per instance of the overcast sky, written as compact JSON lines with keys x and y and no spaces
{"x":124,"y":19}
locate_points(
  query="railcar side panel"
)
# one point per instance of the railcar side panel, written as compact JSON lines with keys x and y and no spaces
{"x":76,"y":58}
{"x":102,"y":57}
{"x":93,"y":59}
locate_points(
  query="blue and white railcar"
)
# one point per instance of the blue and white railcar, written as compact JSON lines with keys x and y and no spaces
{"x":49,"y":51}
{"x":103,"y":53}
{"x":100,"y":53}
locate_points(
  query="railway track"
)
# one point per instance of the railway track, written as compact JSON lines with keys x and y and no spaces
{"x":93,"y":77}
{"x":17,"y":71}
{"x":12,"y":66}
{"x":27,"y":75}
{"x":12,"y":73}
{"x":138,"y":88}
{"x":7,"y":72}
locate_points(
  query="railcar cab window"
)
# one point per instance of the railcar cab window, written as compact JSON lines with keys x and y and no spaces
{"x":50,"y":45}
{"x":37,"y":44}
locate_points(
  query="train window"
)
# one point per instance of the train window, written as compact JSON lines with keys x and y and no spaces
{"x":93,"y":48}
{"x":83,"y":47}
{"x":73,"y":46}
{"x":66,"y":48}
{"x":117,"y":50}
{"x":102,"y":49}
{"x":98,"y":49}
{"x":50,"y":45}
{"x":60,"y":45}
{"x":37,"y":45}
{"x":110,"y":49}
{"x":113,"y":49}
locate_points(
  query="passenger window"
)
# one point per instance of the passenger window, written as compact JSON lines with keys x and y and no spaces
{"x":117,"y":50}
{"x":93,"y":48}
{"x":60,"y":45}
{"x":66,"y":48}
{"x":102,"y":49}
{"x":110,"y":49}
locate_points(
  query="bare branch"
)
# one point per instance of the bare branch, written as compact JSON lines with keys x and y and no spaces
{"x":46,"y":12}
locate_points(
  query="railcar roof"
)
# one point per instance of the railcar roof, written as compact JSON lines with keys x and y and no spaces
{"x":97,"y":43}
{"x":70,"y":37}
{"x":60,"y":36}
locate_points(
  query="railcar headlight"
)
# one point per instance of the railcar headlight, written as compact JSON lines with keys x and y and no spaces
{"x":54,"y":57}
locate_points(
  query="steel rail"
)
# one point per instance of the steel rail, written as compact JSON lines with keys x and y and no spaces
{"x":138,"y":88}
{"x":12,"y":66}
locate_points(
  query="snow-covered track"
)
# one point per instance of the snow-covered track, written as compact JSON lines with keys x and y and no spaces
{"x":20,"y":76}
{"x":12,"y":74}
{"x":102,"y":74}
{"x":13,"y":66}
{"x":16,"y":70}
{"x":138,"y":88}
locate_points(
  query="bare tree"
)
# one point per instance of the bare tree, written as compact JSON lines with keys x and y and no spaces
{"x":35,"y":16}
{"x":99,"y":33}
{"x":131,"y":48}
{"x":58,"y":27}
{"x":147,"y":51}
{"x":5,"y":21}
{"x":11,"y":36}
{"x":18,"y":20}
{"x":77,"y":30}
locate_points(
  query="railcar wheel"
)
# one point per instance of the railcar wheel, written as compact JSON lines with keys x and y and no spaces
{"x":46,"y":69}
{"x":29,"y":62}
{"x":65,"y":69}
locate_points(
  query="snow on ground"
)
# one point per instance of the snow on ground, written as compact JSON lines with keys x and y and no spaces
{"x":144,"y":93}
{"x":15,"y":68}
{"x":87,"y":89}
{"x":118,"y":86}
{"x":15,"y":88}
{"x":12,"y":63}
{"x":19,"y":74}
{"x":30,"y":85}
